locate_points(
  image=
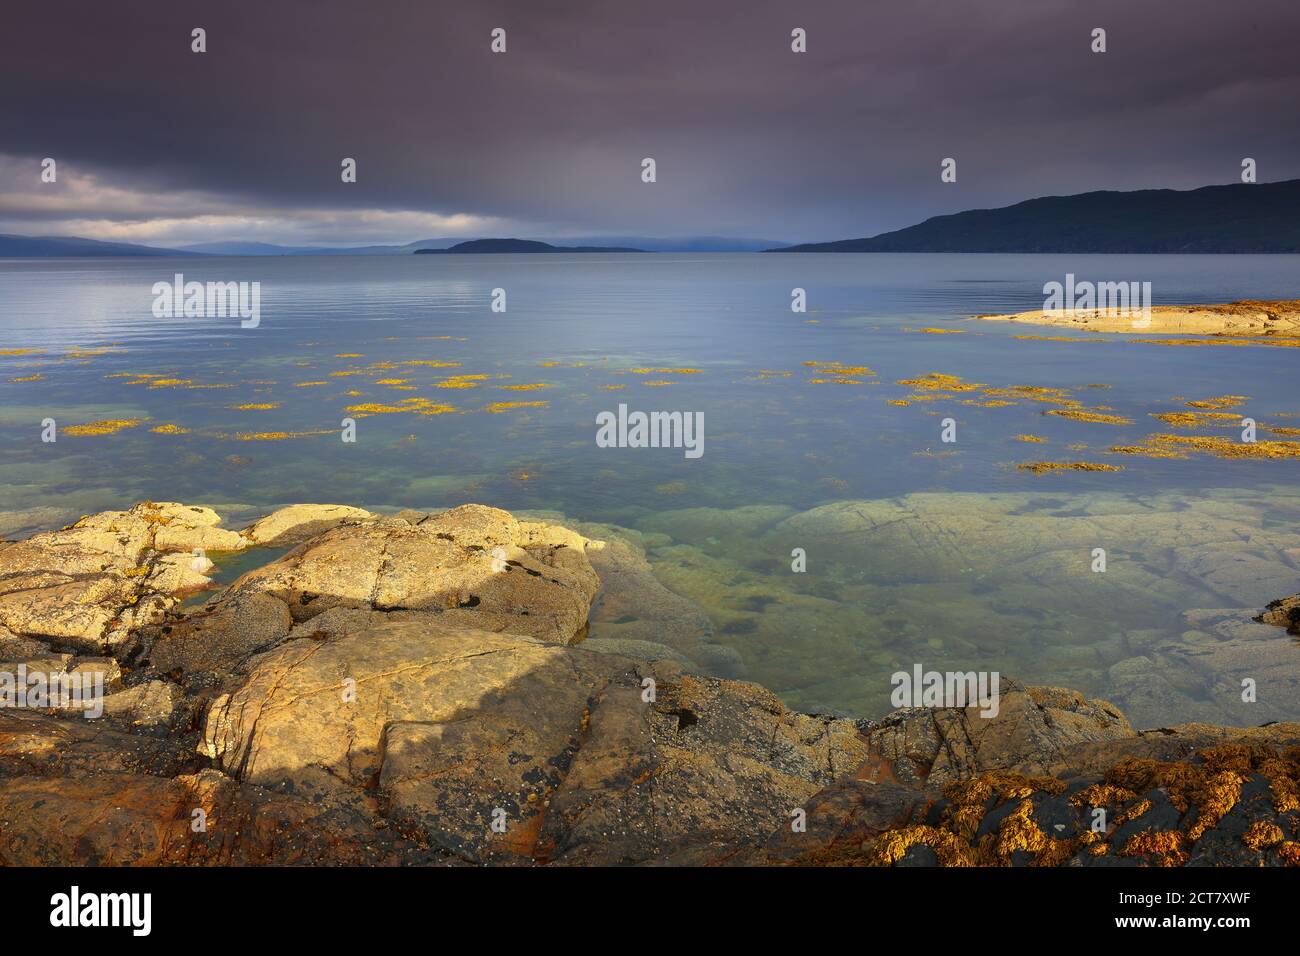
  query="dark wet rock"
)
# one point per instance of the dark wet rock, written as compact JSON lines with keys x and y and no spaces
{"x":637,"y":650}
{"x":1034,"y":726}
{"x":1283,"y":613}
{"x":34,"y":743}
{"x":1217,"y":797}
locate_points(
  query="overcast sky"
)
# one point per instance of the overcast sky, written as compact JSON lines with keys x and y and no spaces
{"x":160,"y":145}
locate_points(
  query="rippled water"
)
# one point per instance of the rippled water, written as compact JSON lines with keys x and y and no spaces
{"x":977,"y":565}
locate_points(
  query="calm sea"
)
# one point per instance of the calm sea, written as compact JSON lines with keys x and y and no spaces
{"x":956,"y":558}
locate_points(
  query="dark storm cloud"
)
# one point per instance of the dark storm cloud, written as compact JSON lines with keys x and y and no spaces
{"x":749,"y":137}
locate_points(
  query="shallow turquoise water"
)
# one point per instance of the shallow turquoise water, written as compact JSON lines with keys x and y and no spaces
{"x":581,"y":324}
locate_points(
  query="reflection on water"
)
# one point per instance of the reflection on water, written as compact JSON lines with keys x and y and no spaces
{"x":822,"y":432}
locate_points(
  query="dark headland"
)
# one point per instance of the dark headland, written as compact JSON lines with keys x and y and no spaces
{"x":1238,"y":218}
{"x":516,"y":245}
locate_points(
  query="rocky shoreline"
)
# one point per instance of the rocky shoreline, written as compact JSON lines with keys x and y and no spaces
{"x":420,"y":688}
{"x":1245,"y":318}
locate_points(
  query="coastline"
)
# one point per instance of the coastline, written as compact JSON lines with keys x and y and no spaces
{"x":393,"y":687}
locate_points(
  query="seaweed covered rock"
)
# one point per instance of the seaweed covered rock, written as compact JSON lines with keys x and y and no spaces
{"x":1222,"y":798}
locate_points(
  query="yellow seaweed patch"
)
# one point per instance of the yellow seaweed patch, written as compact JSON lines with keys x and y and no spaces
{"x":1280,"y":341}
{"x":1095,"y":417}
{"x":835,"y":368}
{"x":22,"y":351}
{"x":1035,"y":393}
{"x":349,"y":355}
{"x":105,"y":427}
{"x":1040,"y":467}
{"x":944,"y":331}
{"x":530,"y":387}
{"x":1195,"y":419}
{"x":612,"y":388}
{"x":256,"y":406}
{"x":1057,"y":338}
{"x":170,"y":429}
{"x":278,"y":436}
{"x":346,"y":372}
{"x":1220,"y":401}
{"x":939,"y":382}
{"x":308,"y":384}
{"x":417,"y":406}
{"x":1280,"y":430}
{"x":1145,"y":451}
{"x":29,"y":378}
{"x":392,"y":381}
{"x":497,"y":407}
{"x":1227,"y":448}
{"x":666,"y":371}
{"x":900,"y":402}
{"x":834,"y":381}
{"x":658,"y":384}
{"x":987,"y":403}
{"x":1030,"y":438}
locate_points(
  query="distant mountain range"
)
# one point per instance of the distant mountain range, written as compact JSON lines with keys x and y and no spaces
{"x":43,"y":247}
{"x":516,"y":245}
{"x":23,"y":247}
{"x":1240,"y":218}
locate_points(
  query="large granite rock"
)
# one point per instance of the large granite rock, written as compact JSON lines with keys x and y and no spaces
{"x":296,"y":523}
{"x":451,"y":728}
{"x":472,"y":567}
{"x":92,"y":584}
